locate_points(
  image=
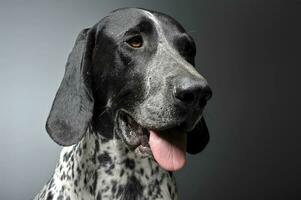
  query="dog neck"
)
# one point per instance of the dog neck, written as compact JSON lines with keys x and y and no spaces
{"x":98,"y":166}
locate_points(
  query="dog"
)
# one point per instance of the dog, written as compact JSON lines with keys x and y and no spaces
{"x":128,"y":109}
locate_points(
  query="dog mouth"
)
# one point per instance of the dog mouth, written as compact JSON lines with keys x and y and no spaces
{"x":167,"y":146}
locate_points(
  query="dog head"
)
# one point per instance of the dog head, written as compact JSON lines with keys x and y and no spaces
{"x":138,"y":67}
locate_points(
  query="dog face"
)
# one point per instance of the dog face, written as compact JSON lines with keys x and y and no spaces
{"x":138,"y":66}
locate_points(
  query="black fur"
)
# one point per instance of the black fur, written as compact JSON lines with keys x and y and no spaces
{"x":72,"y":108}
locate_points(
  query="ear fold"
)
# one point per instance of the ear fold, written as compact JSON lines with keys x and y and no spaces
{"x":72,"y":108}
{"x":198,"y":138}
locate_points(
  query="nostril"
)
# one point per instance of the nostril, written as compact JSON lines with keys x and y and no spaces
{"x":185,"y":97}
{"x":205,"y":96}
{"x":192,"y":92}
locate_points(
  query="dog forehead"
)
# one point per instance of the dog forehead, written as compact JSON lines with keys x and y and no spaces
{"x":121,"y":20}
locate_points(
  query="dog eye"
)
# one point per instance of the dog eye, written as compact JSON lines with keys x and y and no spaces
{"x":135,"y":42}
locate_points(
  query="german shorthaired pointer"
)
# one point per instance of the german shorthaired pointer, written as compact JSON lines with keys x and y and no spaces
{"x":128,"y":109}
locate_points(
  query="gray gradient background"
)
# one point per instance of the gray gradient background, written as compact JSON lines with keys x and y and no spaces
{"x":248,"y":50}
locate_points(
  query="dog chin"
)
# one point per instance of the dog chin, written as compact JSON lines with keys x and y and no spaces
{"x":166,"y":145}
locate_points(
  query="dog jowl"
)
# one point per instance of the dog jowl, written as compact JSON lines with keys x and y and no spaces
{"x":131,"y":77}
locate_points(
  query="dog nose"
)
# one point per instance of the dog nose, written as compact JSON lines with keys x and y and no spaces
{"x":192,"y":92}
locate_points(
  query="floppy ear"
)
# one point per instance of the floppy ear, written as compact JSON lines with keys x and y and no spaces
{"x":72,"y":108}
{"x":198,"y":138}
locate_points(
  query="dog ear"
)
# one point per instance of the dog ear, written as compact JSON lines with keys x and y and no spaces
{"x":72,"y":108}
{"x":198,"y":138}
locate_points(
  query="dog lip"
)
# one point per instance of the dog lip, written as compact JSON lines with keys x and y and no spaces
{"x":143,"y":151}
{"x":141,"y":145}
{"x":141,"y":136}
{"x":182,"y":125}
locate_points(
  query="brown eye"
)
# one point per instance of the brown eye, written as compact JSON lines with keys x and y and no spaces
{"x":135,"y":42}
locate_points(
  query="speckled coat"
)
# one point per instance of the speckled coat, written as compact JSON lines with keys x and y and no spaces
{"x":98,"y":168}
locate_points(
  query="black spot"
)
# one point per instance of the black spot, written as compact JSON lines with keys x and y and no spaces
{"x":162,"y":178}
{"x":94,"y":183}
{"x":104,"y":159}
{"x":169,"y":188}
{"x":96,"y":149}
{"x":109,"y":170}
{"x":129,"y":163}
{"x":141,"y":171}
{"x":63,"y":176}
{"x":157,"y":182}
{"x":98,"y":196}
{"x":96,"y":146}
{"x":114,"y":183}
{"x":85,"y":146}
{"x":120,"y":190}
{"x":78,"y":170}
{"x":121,"y":172}
{"x":49,"y":196}
{"x":75,"y":183}
{"x":133,"y":189}
{"x":67,"y":156}
{"x":72,"y":173}
{"x":158,"y":191}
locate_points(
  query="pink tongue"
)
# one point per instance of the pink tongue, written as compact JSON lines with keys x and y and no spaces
{"x":169,"y":149}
